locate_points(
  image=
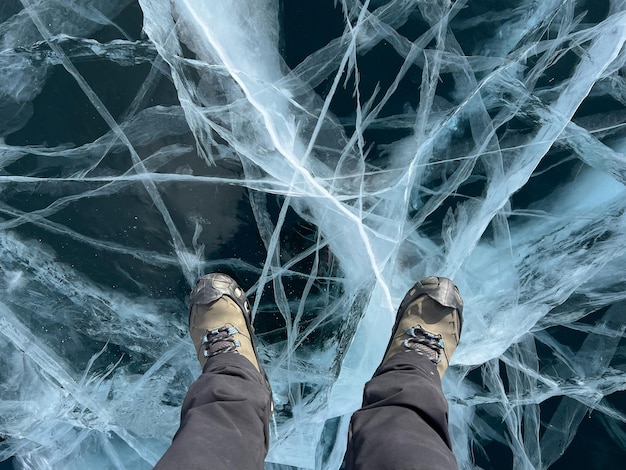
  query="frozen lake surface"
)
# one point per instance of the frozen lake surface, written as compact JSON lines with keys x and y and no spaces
{"x":328,"y":156}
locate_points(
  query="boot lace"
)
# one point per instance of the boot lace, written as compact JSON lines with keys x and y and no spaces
{"x":220,"y":341}
{"x":424,"y":342}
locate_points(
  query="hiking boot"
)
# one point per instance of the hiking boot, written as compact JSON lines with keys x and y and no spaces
{"x":429,"y":322}
{"x":219,"y":320}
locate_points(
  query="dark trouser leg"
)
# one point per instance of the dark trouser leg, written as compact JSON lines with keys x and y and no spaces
{"x":224,"y":420}
{"x":403,"y":423}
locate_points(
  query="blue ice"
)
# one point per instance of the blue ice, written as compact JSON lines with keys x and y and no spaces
{"x":486,"y":146}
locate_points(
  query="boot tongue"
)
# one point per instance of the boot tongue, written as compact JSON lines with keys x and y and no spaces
{"x":430,"y":353}
{"x":220,"y":341}
{"x":425,"y":342}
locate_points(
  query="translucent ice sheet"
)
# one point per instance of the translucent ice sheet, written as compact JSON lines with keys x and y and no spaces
{"x":327,"y":155}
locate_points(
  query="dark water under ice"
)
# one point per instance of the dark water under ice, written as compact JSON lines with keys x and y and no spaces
{"x":100,"y":246}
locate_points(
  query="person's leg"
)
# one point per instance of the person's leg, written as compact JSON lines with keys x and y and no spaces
{"x":404,"y":419}
{"x":403,"y":423}
{"x":224,"y":419}
{"x":225,"y":416}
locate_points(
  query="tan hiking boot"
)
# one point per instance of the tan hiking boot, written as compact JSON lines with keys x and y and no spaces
{"x":429,"y":322}
{"x":219,"y":319}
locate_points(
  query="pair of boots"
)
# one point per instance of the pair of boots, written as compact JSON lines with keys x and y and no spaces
{"x":428,"y":321}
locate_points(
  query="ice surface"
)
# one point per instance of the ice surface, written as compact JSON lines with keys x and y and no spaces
{"x":329,"y":155}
